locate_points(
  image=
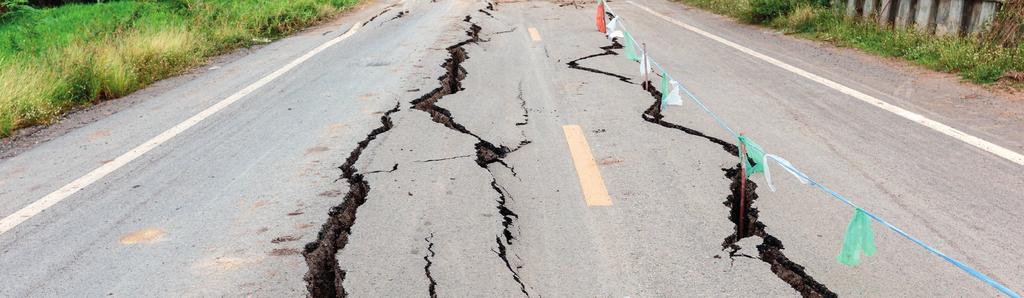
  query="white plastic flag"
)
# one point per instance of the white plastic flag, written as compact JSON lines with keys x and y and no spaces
{"x":613,"y":30}
{"x":785,"y":165}
{"x":673,"y":98}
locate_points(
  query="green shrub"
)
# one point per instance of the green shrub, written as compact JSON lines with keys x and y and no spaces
{"x":739,"y":9}
{"x":806,"y":18}
{"x":7,"y":6}
{"x":764,"y":11}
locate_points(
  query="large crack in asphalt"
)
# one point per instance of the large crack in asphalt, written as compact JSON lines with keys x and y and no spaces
{"x":770,"y":249}
{"x":486,"y":152}
{"x":574,"y":64}
{"x":325,"y":277}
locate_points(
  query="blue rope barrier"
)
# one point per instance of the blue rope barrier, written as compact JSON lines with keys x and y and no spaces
{"x":966,"y":268}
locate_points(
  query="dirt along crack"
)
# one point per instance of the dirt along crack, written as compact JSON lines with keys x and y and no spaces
{"x":325,"y":277}
{"x":486,"y":152}
{"x":770,"y":249}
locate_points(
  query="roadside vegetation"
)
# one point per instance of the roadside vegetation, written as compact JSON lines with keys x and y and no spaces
{"x":980,"y":59}
{"x":55,"y":58}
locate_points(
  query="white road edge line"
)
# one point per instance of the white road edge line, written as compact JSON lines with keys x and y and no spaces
{"x":23,"y":214}
{"x":935,"y":125}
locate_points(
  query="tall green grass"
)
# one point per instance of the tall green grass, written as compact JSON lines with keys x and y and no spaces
{"x":970,"y":57}
{"x":54,"y":59}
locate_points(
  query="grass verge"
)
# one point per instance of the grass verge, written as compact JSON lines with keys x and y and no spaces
{"x":54,"y":59}
{"x":970,"y":57}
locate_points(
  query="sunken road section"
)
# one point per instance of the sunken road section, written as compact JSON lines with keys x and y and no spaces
{"x":486,"y":152}
{"x":325,"y":278}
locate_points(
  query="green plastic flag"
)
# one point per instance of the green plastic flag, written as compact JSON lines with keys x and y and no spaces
{"x":755,"y":153}
{"x":858,"y":238}
{"x":631,"y":48}
{"x":673,"y":98}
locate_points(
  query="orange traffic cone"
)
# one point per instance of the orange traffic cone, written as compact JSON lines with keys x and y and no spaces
{"x":600,"y":17}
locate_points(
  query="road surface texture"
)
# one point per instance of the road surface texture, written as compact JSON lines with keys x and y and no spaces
{"x":419,"y":148}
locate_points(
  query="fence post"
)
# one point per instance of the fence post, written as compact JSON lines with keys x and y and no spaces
{"x":904,"y":14}
{"x":954,"y":20}
{"x":869,"y":8}
{"x":925,"y":18}
{"x":851,"y":8}
{"x":985,"y":16}
{"x":885,"y":12}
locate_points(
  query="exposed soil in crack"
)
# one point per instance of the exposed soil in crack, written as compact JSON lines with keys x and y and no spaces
{"x":770,"y":250}
{"x":486,"y":152}
{"x":653,"y":115}
{"x":506,"y":214}
{"x":432,"y":288}
{"x":325,"y":277}
{"x":574,"y":64}
{"x":503,"y":254}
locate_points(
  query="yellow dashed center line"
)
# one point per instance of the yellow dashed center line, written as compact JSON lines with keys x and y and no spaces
{"x":594,"y":191}
{"x":142,"y":236}
{"x":534,"y":35}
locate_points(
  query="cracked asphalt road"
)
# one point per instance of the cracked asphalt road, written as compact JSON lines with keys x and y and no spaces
{"x":425,"y":156}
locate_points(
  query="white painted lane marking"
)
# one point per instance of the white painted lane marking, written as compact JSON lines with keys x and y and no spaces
{"x":915,"y":117}
{"x":23,"y":214}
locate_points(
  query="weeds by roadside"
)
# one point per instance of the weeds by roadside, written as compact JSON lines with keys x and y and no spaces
{"x":53,"y":59}
{"x":971,"y":57}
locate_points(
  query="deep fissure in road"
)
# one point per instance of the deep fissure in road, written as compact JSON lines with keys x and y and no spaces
{"x":325,"y":277}
{"x":574,"y":64}
{"x":486,"y":152}
{"x":770,"y":249}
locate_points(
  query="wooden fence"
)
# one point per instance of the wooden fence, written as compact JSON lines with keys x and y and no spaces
{"x":942,"y":17}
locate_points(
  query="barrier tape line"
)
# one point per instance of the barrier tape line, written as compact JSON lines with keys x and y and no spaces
{"x":966,"y":268}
